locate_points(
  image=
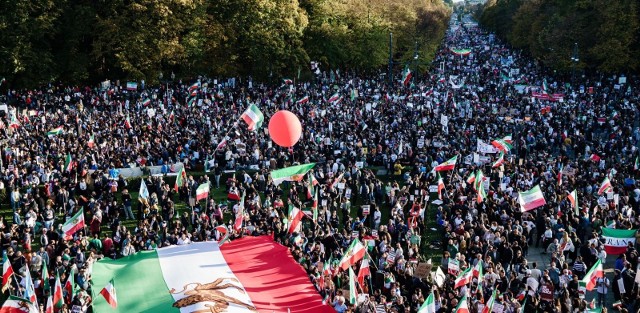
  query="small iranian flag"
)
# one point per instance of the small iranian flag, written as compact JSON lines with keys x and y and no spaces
{"x":477,"y":271}
{"x":617,"y":240}
{"x":502,"y":145}
{"x":448,"y":165}
{"x":146,"y":102}
{"x":354,"y":254}
{"x":222,"y":144}
{"x":49,"y":308}
{"x":463,"y":306}
{"x":479,"y":185}
{"x":180,"y":179}
{"x":237,"y":225}
{"x":253,"y":117}
{"x":127,"y":122}
{"x":429,"y":305}
{"x":594,"y":273}
{"x":440,"y":186}
{"x":335,"y":97}
{"x":353,"y":293}
{"x":464,"y":278}
{"x":363,"y":272}
{"x":68,"y":163}
{"x":7,"y":271}
{"x":406,"y":76}
{"x":202,"y":192}
{"x":573,"y":198}
{"x":471,"y":178}
{"x":314,"y":206}
{"x":605,"y":186}
{"x":508,"y":139}
{"x":109,"y":294}
{"x":560,"y":175}
{"x":488,"y":308}
{"x":295,"y":220}
{"x":461,"y":52}
{"x":304,"y":100}
{"x":74,"y":224}
{"x":92,"y":141}
{"x":545,"y":87}
{"x":292,"y":173}
{"x":531,"y":199}
{"x":45,"y":277}
{"x":18,"y":305}
{"x":195,"y":86}
{"x":55,"y":131}
{"x":499,"y":161}
{"x":58,"y":299}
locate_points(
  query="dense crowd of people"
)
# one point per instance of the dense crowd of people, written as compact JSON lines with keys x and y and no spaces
{"x":572,"y":140}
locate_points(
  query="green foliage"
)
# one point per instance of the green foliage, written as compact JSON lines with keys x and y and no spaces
{"x":82,"y":41}
{"x":607,"y":32}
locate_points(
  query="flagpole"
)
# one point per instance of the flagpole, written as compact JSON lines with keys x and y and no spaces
{"x":225,"y":136}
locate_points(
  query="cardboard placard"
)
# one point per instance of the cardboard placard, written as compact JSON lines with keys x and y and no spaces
{"x":423,"y":270}
{"x":433,"y":188}
{"x":354,"y":234}
{"x":366,"y":209}
{"x":391,"y":257}
{"x":341,"y":185}
{"x":546,"y":292}
{"x":374,"y":233}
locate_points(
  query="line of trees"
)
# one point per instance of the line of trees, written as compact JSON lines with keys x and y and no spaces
{"x":607,"y":32}
{"x":77,"y":41}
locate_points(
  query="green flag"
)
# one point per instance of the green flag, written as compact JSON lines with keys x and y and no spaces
{"x":292,"y":173}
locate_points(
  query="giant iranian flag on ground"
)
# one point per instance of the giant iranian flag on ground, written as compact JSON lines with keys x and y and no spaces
{"x":252,"y":274}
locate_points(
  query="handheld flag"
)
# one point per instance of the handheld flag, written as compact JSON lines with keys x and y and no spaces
{"x":531,"y":199}
{"x":74,"y":224}
{"x":292,"y":173}
{"x":253,"y":117}
{"x":448,"y":165}
{"x":109,"y":294}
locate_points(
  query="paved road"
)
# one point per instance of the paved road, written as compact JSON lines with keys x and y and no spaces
{"x":542,"y":260}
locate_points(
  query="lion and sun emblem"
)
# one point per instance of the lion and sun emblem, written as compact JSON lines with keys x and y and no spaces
{"x":210,"y":292}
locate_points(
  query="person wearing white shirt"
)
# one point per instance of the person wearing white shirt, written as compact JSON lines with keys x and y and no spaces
{"x":602,"y":287}
{"x":377,"y":217}
{"x":602,"y":255}
{"x":183,"y":240}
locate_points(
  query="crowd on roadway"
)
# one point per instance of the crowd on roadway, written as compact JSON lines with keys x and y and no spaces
{"x":376,"y":147}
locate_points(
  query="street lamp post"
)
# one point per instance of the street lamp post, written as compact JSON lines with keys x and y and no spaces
{"x":390,"y":60}
{"x":415,"y":64}
{"x":574,"y":60}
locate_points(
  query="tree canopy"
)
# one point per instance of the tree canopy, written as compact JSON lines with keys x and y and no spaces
{"x":79,"y":41}
{"x":606,"y":32}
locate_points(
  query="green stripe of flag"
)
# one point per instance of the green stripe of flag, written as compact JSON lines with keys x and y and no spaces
{"x":126,"y":272}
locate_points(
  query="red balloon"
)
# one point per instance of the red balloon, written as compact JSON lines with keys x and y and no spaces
{"x":285,"y":128}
